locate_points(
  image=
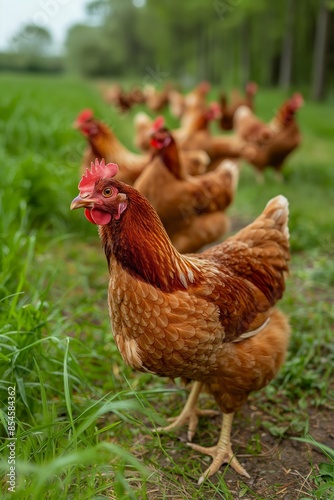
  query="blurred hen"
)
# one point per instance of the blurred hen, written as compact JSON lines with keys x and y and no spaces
{"x":103,"y":143}
{"x":268,"y":145}
{"x":191,"y":208}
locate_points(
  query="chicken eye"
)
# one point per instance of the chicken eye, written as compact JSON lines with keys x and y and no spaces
{"x":108,"y":191}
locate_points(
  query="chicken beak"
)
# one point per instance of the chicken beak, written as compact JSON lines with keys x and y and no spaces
{"x":79,"y":202}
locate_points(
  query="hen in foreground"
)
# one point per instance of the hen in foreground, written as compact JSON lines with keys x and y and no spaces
{"x":207,"y":317}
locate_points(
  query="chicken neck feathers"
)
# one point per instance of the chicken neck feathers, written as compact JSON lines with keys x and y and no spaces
{"x":241,"y":279}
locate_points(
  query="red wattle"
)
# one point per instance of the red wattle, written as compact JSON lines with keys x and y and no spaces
{"x":155,"y":143}
{"x":88,"y":216}
{"x":97,"y":216}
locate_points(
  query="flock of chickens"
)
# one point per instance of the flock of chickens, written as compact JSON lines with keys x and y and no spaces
{"x":188,"y":174}
{"x":208,"y":317}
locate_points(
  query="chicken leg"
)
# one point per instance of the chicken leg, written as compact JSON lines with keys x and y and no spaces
{"x":190,"y":413}
{"x":221,"y":453}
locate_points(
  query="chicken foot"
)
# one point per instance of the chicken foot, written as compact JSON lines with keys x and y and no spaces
{"x":221,"y":453}
{"x":190,"y":413}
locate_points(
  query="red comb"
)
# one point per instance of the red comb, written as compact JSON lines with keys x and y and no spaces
{"x":204,"y":87}
{"x":98,"y":170}
{"x":214,"y":111}
{"x":158,"y":123}
{"x":86,"y":114}
{"x":297,"y":100}
{"x":215,"y":107}
{"x":251,"y":87}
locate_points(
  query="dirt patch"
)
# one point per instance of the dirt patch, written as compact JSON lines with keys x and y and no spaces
{"x":280,"y":468}
{"x":284,"y":467}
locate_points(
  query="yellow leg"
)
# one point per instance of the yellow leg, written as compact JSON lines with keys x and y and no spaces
{"x":221,"y":453}
{"x":190,"y":413}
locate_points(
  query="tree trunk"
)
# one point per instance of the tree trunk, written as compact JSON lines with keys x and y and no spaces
{"x":287,"y":46}
{"x":267,"y":43}
{"x":201,"y":71}
{"x":245,"y":53}
{"x":319,"y":54}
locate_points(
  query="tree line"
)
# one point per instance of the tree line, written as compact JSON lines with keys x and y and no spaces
{"x":228,"y":42}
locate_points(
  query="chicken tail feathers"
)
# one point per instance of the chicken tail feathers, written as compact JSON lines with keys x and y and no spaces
{"x":270,"y":227}
{"x":231,"y":169}
{"x":264,"y":245}
{"x":277,"y":209}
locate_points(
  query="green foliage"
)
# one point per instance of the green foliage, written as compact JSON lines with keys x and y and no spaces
{"x":32,"y":39}
{"x":89,"y":53}
{"x":109,"y":48}
{"x":29,"y":51}
{"x":221,"y":41}
{"x":32,"y":63}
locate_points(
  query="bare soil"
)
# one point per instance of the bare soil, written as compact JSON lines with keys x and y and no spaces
{"x":282,"y":468}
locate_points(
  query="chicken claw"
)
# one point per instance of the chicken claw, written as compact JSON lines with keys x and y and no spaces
{"x":190,"y":413}
{"x":221,"y":453}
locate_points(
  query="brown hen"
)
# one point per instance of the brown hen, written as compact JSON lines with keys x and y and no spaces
{"x":268,"y":145}
{"x":195,"y":161}
{"x":237,"y":100}
{"x":209,"y":317}
{"x":195,"y":133}
{"x":156,"y":99}
{"x":191,"y":208}
{"x":103,"y":143}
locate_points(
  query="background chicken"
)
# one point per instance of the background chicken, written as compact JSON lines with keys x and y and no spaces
{"x":197,"y":96}
{"x":196,"y":161}
{"x":286,"y":114}
{"x":176,"y":103}
{"x":270,"y":144}
{"x":155,"y":99}
{"x":249,"y":127}
{"x":191,"y":208}
{"x":114,"y":94}
{"x":103,"y":143}
{"x":111,"y":93}
{"x":143,"y":124}
{"x":179,"y":103}
{"x":237,"y":100}
{"x":195,"y":133}
{"x":209,"y":317}
{"x":196,"y":118}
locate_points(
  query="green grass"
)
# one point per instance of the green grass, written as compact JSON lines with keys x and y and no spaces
{"x":85,"y":421}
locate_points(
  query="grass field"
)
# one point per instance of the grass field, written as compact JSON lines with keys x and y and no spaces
{"x":85,"y":421}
